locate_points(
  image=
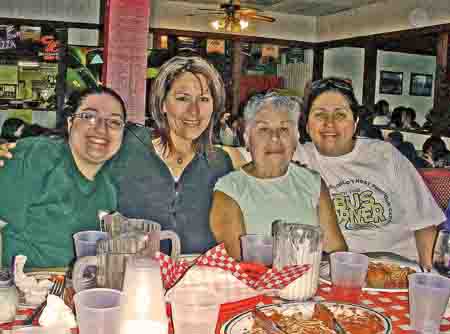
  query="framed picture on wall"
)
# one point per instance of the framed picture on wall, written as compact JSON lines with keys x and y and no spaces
{"x":391,"y":82}
{"x":421,"y":84}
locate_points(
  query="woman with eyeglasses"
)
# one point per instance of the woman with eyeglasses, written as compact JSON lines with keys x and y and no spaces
{"x":167,"y":175}
{"x":381,"y":202}
{"x":54,"y":187}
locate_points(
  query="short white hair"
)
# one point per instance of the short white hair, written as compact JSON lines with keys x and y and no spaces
{"x":256,"y":103}
{"x":279,"y":102}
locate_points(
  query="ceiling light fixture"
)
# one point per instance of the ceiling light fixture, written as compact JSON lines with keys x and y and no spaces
{"x":230,"y":24}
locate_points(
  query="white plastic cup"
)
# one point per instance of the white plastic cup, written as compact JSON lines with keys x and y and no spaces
{"x":86,"y":242}
{"x":257,"y":248}
{"x":194,"y":313}
{"x":348,"y":275}
{"x":428,"y":298}
{"x":143,"y":308}
{"x":98,"y":311}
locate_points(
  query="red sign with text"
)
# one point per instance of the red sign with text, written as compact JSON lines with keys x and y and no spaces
{"x":125,"y":52}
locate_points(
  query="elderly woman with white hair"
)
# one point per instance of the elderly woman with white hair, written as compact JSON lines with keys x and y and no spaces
{"x":270,"y":187}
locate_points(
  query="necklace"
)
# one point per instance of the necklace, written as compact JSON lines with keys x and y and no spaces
{"x":180,"y":160}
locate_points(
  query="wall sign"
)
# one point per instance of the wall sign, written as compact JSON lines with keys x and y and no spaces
{"x":215,"y":46}
{"x":8,"y":37}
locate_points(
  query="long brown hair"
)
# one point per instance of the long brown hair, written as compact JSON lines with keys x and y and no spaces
{"x":168,"y":73}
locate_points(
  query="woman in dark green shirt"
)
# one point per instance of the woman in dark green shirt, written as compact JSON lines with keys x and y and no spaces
{"x":54,"y":187}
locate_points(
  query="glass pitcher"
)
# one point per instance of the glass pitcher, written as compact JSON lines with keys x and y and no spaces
{"x":297,"y":244}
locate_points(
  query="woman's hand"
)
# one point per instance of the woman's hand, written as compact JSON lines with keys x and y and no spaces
{"x":5,"y":152}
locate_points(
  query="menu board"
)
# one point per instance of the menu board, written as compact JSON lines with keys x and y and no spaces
{"x":125,"y":52}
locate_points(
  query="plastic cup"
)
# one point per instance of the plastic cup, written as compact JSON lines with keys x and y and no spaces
{"x":194,"y":313}
{"x":428,"y":298}
{"x":348,"y":275}
{"x":98,"y":311}
{"x":86,"y":242}
{"x":257,"y":248}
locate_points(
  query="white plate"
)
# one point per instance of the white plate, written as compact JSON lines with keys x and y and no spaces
{"x":326,"y":277}
{"x":242,"y":323}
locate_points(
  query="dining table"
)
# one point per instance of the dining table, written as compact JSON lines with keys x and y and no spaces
{"x":393,"y":304}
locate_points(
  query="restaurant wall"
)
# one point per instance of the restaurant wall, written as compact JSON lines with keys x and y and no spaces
{"x":346,"y":63}
{"x":173,"y":15}
{"x":407,"y":64}
{"x":349,"y":63}
{"x":383,"y":16}
{"x":83,"y":11}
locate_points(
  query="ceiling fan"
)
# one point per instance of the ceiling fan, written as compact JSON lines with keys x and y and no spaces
{"x":231,"y":17}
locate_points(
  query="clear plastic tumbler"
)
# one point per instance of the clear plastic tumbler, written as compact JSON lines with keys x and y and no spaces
{"x":428,"y":298}
{"x":194,"y":313}
{"x":348,"y":275}
{"x":257,"y":248}
{"x":98,"y":311}
{"x":86,"y":242}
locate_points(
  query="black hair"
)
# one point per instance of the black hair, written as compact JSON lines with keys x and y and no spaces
{"x":77,"y":97}
{"x":436,"y":144}
{"x":75,"y":100}
{"x":379,"y":107}
{"x":9,"y":128}
{"x":396,"y":117}
{"x":332,"y":84}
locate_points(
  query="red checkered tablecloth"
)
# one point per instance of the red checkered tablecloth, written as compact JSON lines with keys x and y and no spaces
{"x":392,"y":304}
{"x":22,"y":314}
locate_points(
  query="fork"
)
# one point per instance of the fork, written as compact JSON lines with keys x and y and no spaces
{"x":57,"y":290}
{"x":267,"y":323}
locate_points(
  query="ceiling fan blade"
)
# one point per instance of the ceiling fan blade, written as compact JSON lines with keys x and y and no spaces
{"x":209,"y":10}
{"x":263,"y":18}
{"x":246,"y":11}
{"x":205,"y":14}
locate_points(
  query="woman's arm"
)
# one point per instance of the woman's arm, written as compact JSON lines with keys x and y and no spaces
{"x":334,"y":240}
{"x":227,"y":223}
{"x":424,"y":242}
{"x":237,"y":158}
{"x":5,"y":152}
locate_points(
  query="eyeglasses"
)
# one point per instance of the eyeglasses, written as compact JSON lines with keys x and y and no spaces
{"x":92,"y":118}
{"x":332,"y":83}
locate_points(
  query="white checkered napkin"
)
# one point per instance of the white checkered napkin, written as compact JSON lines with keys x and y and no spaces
{"x":217,"y":257}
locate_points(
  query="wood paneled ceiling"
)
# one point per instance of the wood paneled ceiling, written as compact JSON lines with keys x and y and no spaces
{"x":297,"y":7}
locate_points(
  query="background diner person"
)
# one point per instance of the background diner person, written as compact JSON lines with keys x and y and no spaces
{"x":167,"y":174}
{"x":381,"y":202}
{"x":270,"y":187}
{"x":54,"y":187}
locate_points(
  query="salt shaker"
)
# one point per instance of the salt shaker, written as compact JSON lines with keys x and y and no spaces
{"x":8,"y":297}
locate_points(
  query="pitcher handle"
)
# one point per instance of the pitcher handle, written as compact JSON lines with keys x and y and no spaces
{"x":79,"y":268}
{"x":176,"y":245}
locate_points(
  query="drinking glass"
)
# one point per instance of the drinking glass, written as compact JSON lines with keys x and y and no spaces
{"x":348,"y":275}
{"x":98,"y":311}
{"x":86,"y":242}
{"x":194,"y":312}
{"x":441,"y":255}
{"x":428,"y":298}
{"x":143,"y":309}
{"x":257,"y":248}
